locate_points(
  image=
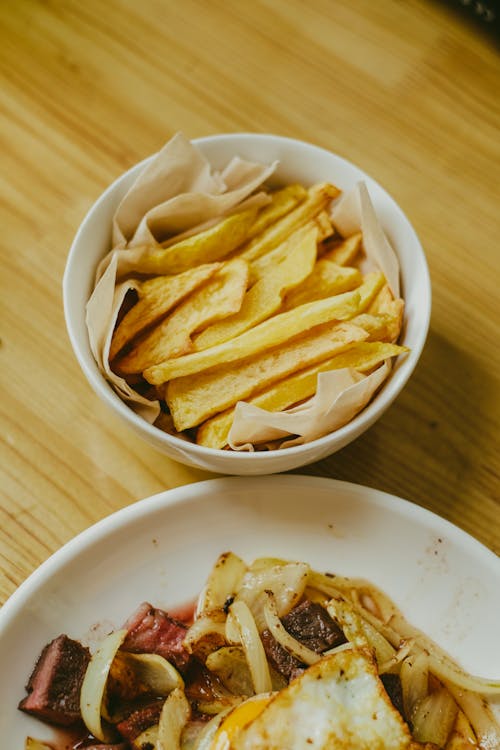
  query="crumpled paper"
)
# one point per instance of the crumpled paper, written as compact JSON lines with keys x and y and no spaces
{"x":340,"y":394}
{"x":177,"y":194}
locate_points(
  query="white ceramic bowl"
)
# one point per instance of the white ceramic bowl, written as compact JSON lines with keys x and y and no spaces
{"x":299,"y":162}
{"x":161,"y":549}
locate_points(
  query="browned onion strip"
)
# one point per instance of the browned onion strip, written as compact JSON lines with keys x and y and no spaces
{"x":94,"y":683}
{"x":479,"y":715}
{"x":434,"y":717}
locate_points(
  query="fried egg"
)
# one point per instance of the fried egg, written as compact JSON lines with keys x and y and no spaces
{"x":339,"y":703}
{"x":238,"y":718}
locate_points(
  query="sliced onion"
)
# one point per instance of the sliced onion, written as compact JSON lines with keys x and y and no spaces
{"x":232,"y":630}
{"x":231,"y":667}
{"x":331,"y":585}
{"x":207,"y":633}
{"x":221,"y":703}
{"x":287,"y":582}
{"x":152,"y":672}
{"x":463,"y":735}
{"x":390,"y":634}
{"x":207,"y":734}
{"x":479,"y":714}
{"x":174,"y":716}
{"x":222,"y":582}
{"x":445,"y":669}
{"x":94,"y":683}
{"x":289,"y":643}
{"x":341,"y":647}
{"x":32,"y":744}
{"x":147,"y":738}
{"x":414,"y":676}
{"x":252,"y":646}
{"x":385,"y":653}
{"x":434,"y":717}
{"x":393,"y":664}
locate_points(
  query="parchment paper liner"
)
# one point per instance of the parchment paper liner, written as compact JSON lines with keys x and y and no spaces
{"x":177,"y":194}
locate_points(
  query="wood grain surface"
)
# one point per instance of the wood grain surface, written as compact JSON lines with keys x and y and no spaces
{"x":407,"y":90}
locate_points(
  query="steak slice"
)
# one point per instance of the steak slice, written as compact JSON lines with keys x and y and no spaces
{"x":55,"y":683}
{"x":308,"y":623}
{"x":140,"y":720}
{"x":311,"y":624}
{"x":153,"y":631}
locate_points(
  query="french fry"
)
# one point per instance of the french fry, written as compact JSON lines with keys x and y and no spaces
{"x":319,"y":196}
{"x":326,"y":279}
{"x":385,"y":304}
{"x":265,"y":297}
{"x":369,"y":289}
{"x":282,"y":202}
{"x":378,"y":327}
{"x":194,"y":398}
{"x":261,"y":267}
{"x":219,"y":297}
{"x":156,"y":298}
{"x":345,"y":251}
{"x":364,"y":356}
{"x":210,"y":245}
{"x":269,"y":333}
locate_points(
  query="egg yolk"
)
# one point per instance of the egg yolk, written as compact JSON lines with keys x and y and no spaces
{"x":238,"y":718}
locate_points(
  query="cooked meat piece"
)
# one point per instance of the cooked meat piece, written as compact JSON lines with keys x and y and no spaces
{"x":54,"y":686}
{"x":139,"y":720}
{"x":392,"y":684}
{"x":153,"y":631}
{"x":202,"y":686}
{"x":280,"y":659}
{"x":310,"y":624}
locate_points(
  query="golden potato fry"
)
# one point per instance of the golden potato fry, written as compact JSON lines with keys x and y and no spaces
{"x":194,"y":398}
{"x":269,"y":333}
{"x":378,"y":327}
{"x":213,"y":433}
{"x":372,"y":283}
{"x":282,"y":202}
{"x":221,"y":296}
{"x":261,"y":267}
{"x":156,"y":298}
{"x":319,"y":196}
{"x":326,"y":279}
{"x":212,"y":244}
{"x":264,"y":298}
{"x":385,"y":304}
{"x":344,"y":252}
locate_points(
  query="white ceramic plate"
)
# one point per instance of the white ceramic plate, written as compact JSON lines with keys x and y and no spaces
{"x":162,"y":548}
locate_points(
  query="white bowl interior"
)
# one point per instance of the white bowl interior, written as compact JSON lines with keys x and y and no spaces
{"x":298,"y":161}
{"x":162,"y":548}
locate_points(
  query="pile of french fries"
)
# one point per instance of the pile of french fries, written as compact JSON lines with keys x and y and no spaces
{"x":252,"y":309}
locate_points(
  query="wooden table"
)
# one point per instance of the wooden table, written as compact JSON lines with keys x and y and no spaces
{"x":407,"y":90}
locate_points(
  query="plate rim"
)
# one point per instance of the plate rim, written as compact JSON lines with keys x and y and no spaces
{"x":179,"y":495}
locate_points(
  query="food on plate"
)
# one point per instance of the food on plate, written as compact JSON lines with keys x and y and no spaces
{"x":274,"y":656}
{"x":215,"y":292}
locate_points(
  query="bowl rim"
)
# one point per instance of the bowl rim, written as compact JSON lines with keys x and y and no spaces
{"x":345,"y":434}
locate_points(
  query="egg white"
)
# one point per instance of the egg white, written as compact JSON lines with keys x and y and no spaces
{"x":339,"y":703}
